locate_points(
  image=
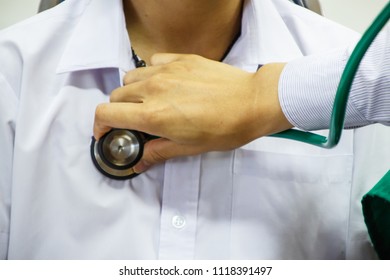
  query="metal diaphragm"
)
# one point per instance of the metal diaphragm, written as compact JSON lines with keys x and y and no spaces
{"x":116,"y":153}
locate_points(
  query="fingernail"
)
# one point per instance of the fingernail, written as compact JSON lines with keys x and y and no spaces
{"x":142,"y":166}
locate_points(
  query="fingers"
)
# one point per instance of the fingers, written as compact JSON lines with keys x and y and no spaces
{"x":137,"y":87}
{"x":161,"y":150}
{"x":140,"y":74}
{"x":118,"y":115}
{"x":133,"y":93}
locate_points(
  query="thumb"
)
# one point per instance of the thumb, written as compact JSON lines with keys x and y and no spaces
{"x":160,"y":150}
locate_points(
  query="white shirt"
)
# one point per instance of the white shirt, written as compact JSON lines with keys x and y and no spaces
{"x":308,"y":87}
{"x":271,"y":199}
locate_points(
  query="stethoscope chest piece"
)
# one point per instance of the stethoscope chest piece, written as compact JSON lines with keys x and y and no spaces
{"x":116,"y":153}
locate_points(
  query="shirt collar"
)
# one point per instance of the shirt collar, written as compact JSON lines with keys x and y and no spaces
{"x":264,"y":38}
{"x":99,"y":39}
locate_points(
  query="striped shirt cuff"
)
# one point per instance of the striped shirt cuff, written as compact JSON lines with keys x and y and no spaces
{"x":307,"y":89}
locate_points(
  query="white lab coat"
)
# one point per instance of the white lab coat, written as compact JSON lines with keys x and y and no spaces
{"x":271,"y":199}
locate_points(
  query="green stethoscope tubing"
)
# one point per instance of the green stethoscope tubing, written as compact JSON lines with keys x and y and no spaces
{"x":342,"y":94}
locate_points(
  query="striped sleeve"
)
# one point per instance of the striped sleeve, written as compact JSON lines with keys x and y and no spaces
{"x":307,"y":88}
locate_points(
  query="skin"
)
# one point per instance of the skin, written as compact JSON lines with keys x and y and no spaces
{"x":194,"y":103}
{"x":182,"y":26}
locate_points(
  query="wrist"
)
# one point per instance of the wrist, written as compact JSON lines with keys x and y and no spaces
{"x":269,"y":114}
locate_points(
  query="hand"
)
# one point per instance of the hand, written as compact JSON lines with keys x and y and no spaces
{"x":195,"y":105}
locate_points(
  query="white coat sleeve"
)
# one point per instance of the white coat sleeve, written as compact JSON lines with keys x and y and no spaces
{"x":8,"y":107}
{"x":307,"y":87}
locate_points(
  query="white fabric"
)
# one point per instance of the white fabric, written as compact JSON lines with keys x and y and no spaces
{"x":271,"y":199}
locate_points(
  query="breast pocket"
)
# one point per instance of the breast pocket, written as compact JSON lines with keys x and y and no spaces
{"x":291,"y":200}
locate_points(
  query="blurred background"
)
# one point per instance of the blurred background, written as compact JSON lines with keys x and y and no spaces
{"x":356,"y":14}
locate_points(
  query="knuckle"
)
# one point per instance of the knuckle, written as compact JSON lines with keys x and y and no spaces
{"x":155,"y":58}
{"x":157,"y":157}
{"x":128,"y":78}
{"x":179,"y":67}
{"x":185,"y":66}
{"x":115,"y":94}
{"x":100,"y":111}
{"x":154,"y":155}
{"x":167,"y":68}
{"x":152,"y":117}
{"x":156,"y":83}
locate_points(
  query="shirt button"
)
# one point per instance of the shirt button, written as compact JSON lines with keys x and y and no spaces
{"x":178,"y":222}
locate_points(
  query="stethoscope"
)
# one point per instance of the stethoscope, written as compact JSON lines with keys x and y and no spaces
{"x":118,"y":151}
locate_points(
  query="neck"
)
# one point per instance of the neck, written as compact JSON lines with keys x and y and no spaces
{"x":202,"y":27}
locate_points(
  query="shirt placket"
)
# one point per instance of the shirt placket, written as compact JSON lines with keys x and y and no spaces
{"x":179,"y":209}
